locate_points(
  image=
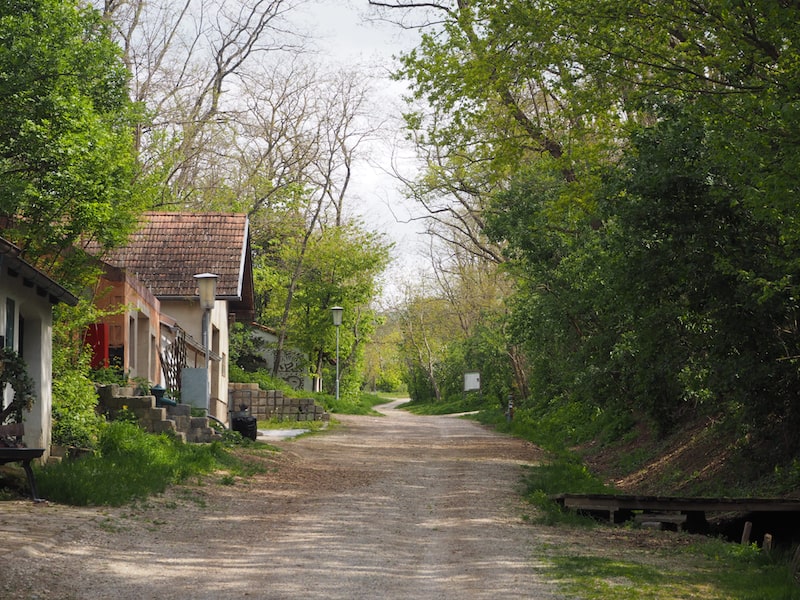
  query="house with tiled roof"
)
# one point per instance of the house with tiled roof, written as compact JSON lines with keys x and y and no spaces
{"x":27,"y":297}
{"x":160,"y":335}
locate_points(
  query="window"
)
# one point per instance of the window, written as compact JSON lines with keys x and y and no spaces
{"x":11,"y":320}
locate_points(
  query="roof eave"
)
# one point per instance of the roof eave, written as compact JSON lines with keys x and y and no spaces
{"x":33,"y":277}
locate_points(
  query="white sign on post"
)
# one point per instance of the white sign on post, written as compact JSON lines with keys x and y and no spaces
{"x":472,"y":381}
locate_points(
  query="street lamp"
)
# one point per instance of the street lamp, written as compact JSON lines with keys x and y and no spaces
{"x":337,"y":321}
{"x":207,"y":289}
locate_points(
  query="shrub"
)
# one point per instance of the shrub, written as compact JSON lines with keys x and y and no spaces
{"x":75,"y":420}
{"x":130,"y":464}
{"x":14,"y":373}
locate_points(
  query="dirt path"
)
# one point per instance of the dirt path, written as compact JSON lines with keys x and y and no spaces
{"x":382,"y":507}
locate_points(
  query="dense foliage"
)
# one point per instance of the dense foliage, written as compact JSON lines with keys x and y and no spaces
{"x":14,"y":375}
{"x":636,"y":164}
{"x":103,"y":116}
{"x":76,"y":421}
{"x":66,"y":132}
{"x":339,"y":266}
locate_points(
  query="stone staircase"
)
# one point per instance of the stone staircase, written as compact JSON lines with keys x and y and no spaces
{"x":177,"y":420}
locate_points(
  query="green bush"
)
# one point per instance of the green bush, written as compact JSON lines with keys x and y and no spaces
{"x":108,"y":376}
{"x":129,"y":464}
{"x":389,"y":381}
{"x":14,"y":374}
{"x":75,"y":420}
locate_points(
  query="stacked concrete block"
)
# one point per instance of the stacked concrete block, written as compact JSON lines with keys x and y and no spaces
{"x":268,"y":404}
{"x":247,"y":395}
{"x":182,"y":416}
{"x":200,"y":431}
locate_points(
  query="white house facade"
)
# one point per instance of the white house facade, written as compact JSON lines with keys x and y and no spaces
{"x":27,"y":297}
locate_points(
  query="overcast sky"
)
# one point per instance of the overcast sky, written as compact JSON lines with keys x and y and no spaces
{"x":345,"y":38}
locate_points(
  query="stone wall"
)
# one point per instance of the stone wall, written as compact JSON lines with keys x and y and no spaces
{"x":265,"y":404}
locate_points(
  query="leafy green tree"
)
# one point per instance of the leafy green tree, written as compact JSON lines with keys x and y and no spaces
{"x":686,"y":248}
{"x":507,"y":84}
{"x":67,"y":160}
{"x":656,"y":312}
{"x":383,"y":364}
{"x":646,"y":157}
{"x":428,"y":325}
{"x":340,"y":266}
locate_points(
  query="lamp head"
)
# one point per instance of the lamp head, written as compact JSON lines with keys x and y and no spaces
{"x":337,"y":311}
{"x":207,"y":288}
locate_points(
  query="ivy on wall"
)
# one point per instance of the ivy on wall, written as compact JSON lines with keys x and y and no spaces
{"x":14,"y":373}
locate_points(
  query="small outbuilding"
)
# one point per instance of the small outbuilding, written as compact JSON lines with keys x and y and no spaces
{"x":27,"y":297}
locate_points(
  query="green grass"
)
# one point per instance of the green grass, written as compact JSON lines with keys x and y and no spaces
{"x":563,"y":475}
{"x":469,"y":403}
{"x":363,"y":404}
{"x":708,"y":570}
{"x":131,"y":464}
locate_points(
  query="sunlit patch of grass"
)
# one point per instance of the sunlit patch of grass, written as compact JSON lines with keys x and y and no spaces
{"x":132,"y":464}
{"x":448,"y":407}
{"x":709,"y":570}
{"x":593,"y":577}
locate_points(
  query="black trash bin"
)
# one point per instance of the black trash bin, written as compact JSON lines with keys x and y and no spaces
{"x":244,"y":423}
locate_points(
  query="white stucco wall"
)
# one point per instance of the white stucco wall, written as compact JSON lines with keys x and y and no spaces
{"x":33,"y":329}
{"x":189,"y":316}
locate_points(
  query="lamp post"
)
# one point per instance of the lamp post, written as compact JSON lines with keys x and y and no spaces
{"x":337,"y":321}
{"x":207,"y":289}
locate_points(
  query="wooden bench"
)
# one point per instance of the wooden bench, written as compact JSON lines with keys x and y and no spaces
{"x":16,"y":452}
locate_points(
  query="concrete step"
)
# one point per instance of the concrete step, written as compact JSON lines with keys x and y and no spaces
{"x":167,"y":425}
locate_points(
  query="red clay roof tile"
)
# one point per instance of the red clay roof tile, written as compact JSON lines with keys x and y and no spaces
{"x":171,"y":247}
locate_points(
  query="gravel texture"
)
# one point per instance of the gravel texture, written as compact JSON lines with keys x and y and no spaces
{"x":398,"y":506}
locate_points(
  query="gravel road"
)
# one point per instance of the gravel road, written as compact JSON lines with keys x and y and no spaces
{"x":397,"y":506}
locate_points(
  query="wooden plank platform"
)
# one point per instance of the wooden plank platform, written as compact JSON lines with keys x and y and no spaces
{"x":621,"y":508}
{"x":613,"y":502}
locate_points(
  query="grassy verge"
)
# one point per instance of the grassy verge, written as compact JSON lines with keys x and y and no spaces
{"x":657,"y":566}
{"x":132,"y":464}
{"x":705,"y":570}
{"x":363,"y":404}
{"x":469,"y":403}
